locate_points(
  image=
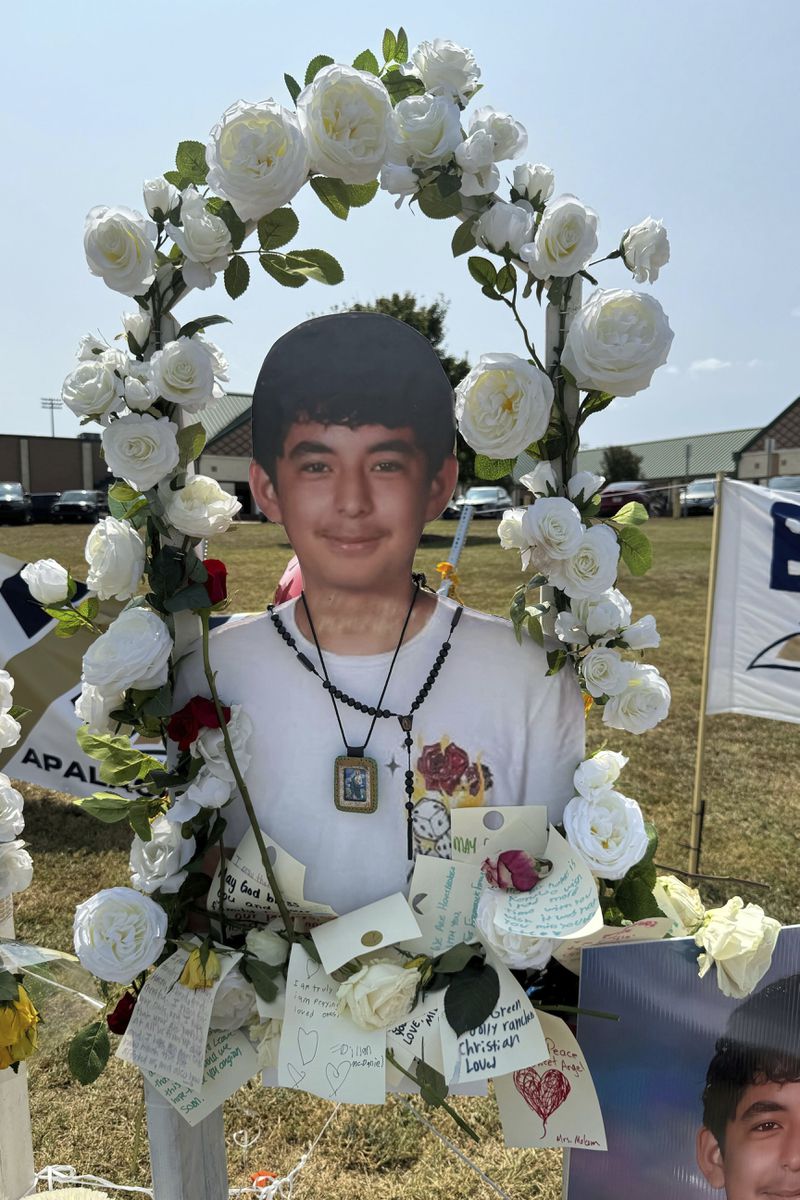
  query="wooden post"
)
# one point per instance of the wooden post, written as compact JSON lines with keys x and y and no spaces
{"x":17,"y":1176}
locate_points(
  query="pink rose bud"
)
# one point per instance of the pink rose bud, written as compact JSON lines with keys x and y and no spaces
{"x":516,"y":871}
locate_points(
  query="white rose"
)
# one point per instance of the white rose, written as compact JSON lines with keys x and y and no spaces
{"x":616,"y":341}
{"x":118,"y":933}
{"x":266,"y":1038}
{"x":345,"y":116}
{"x":603,"y":614}
{"x":569,"y":629}
{"x":183,"y":373}
{"x":503,"y":225}
{"x":92,"y":389}
{"x":257,"y":157}
{"x":503,"y":405}
{"x":510,"y":530}
{"x":425,"y":130}
{"x":138,"y":324}
{"x":513,"y":949}
{"x":12,"y":821}
{"x":141,"y":448}
{"x":201,"y":508}
{"x":583,"y":485}
{"x":219,"y":363}
{"x":89,"y":347}
{"x":565,"y":240}
{"x":16,"y":868}
{"x":380,"y":994}
{"x":399,"y":180}
{"x":267,"y":944}
{"x":210,"y":746}
{"x":140,"y":394}
{"x":447,"y":69}
{"x":158,"y":865}
{"x":643,"y":703}
{"x":10,"y":731}
{"x":645,"y":249}
{"x":476,"y":152}
{"x":119,"y":247}
{"x":47,"y":580}
{"x":534,"y":181}
{"x":94,"y":707}
{"x":234,"y":1002}
{"x":159,"y":197}
{"x":205,"y":791}
{"x":204,"y":240}
{"x":6,"y":689}
{"x":739,"y":939}
{"x":605,"y":673}
{"x":607,"y":831}
{"x":681,"y":903}
{"x":593,"y":567}
{"x":115,"y":554}
{"x":134,"y":652}
{"x":598,"y":773}
{"x":508,"y":136}
{"x":483,"y":182}
{"x":553,"y":524}
{"x":642,"y":634}
{"x":541,"y":481}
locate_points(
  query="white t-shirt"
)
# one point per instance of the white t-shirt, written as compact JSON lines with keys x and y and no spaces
{"x":494,"y":730}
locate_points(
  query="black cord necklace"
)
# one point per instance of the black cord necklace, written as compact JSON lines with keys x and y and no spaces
{"x":355,"y":777}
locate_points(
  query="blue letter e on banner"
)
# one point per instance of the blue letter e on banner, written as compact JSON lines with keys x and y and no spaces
{"x":785,"y":570}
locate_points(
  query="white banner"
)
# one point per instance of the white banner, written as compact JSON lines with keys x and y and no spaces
{"x":754,"y":665}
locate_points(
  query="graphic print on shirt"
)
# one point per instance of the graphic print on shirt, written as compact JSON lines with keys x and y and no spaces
{"x":444,"y":778}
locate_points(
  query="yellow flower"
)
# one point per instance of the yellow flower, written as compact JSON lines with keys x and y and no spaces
{"x":198,"y":974}
{"x":18,"y":1035}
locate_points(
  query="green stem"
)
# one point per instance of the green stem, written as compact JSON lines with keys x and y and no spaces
{"x":439,"y":1103}
{"x":512,"y":304}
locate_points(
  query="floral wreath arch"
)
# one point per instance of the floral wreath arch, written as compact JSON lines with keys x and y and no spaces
{"x":398,"y":126}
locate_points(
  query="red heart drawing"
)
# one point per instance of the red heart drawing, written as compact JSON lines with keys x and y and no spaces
{"x":543,"y":1093}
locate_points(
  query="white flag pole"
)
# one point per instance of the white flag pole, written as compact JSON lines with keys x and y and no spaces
{"x":698,"y":800}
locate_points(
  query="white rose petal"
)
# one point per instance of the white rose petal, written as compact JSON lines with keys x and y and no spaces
{"x":447,"y":69}
{"x":642,"y":635}
{"x":504,"y":225}
{"x":399,"y":180}
{"x":425,"y":130}
{"x":203,"y":238}
{"x":138,"y":324}
{"x":508,"y":136}
{"x":16,"y":868}
{"x":476,"y":152}
{"x":92,"y":389}
{"x":201,"y":508}
{"x":12,"y":821}
{"x":205,"y":791}
{"x":378,"y":995}
{"x":139,"y":395}
{"x":89,"y":347}
{"x":604,"y":614}
{"x":345,"y":116}
{"x":267,"y":944}
{"x":158,"y":195}
{"x":739,"y":939}
{"x":645,"y":249}
{"x":681,"y":903}
{"x":210,"y":746}
{"x":553,"y":524}
{"x":503,"y":405}
{"x":583,"y":485}
{"x":605,"y":673}
{"x":134,"y":652}
{"x":598,"y":773}
{"x":183,"y":373}
{"x":513,"y":949}
{"x":234,"y":1002}
{"x":219,"y":363}
{"x":118,"y":933}
{"x":616,"y":341}
{"x":158,"y":865}
{"x":593,"y":567}
{"x":141,"y":448}
{"x":94,"y":707}
{"x":115,"y":553}
{"x":565,"y":241}
{"x":10,"y":731}
{"x":534,"y":181}
{"x":569,"y":629}
{"x":6,"y":689}
{"x":480,"y":183}
{"x":607,"y":831}
{"x":47,"y":580}
{"x":119,"y":248}
{"x":541,"y":481}
{"x":642,"y":705}
{"x":257,"y":157}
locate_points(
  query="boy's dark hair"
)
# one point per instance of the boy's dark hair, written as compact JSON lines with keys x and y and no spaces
{"x":354,"y":368}
{"x":760,"y":1045}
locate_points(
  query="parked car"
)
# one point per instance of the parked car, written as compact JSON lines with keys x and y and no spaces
{"x":616,"y":495}
{"x":15,"y":504}
{"x":80,"y":506}
{"x":785,"y":483}
{"x":699,"y":497}
{"x":485,"y":501}
{"x":42,"y":505}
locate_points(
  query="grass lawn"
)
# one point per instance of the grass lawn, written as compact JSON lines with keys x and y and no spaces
{"x":751,"y":832}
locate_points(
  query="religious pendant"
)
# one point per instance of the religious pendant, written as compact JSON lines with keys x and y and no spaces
{"x":355,"y":782}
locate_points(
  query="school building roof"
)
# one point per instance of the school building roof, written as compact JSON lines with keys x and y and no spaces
{"x":667,"y":458}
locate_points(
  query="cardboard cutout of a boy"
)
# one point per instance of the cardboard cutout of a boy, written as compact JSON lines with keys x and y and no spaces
{"x":353,"y":436}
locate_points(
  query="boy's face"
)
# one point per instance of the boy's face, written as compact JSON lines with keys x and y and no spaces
{"x":762,"y":1146}
{"x":353,"y":502}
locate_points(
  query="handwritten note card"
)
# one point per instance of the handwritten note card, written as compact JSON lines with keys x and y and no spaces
{"x":248,"y":896}
{"x":321,"y":1052}
{"x":553,"y":1103}
{"x":230,"y":1061}
{"x":419,"y":1036}
{"x":444,"y":898}
{"x":478,"y":832}
{"x":650,"y":930}
{"x":372,"y":927}
{"x":563,"y":905}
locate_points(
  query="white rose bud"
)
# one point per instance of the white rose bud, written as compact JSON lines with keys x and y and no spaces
{"x":605,"y":673}
{"x":257,"y":157}
{"x":92,"y":390}
{"x":6,"y":689}
{"x":119,"y":248}
{"x":199,"y":509}
{"x":234,"y":1002}
{"x":739,"y":939}
{"x":12,"y":821}
{"x":642,"y":704}
{"x":183,"y":373}
{"x":94,"y":707}
{"x":158,"y":865}
{"x":447,"y":69}
{"x":583,"y":485}
{"x":140,"y":395}
{"x":604,"y":614}
{"x":565,"y":240}
{"x":512,"y":534}
{"x":504,"y":225}
{"x":681,"y":903}
{"x":541,"y":481}
{"x":380,"y":994}
{"x":425,"y":130}
{"x":476,"y":153}
{"x":616,"y":341}
{"x":483,"y":182}
{"x":508,"y":136}
{"x":503,"y":405}
{"x":159,"y":197}
{"x":134,"y":652}
{"x":642,"y":635}
{"x":16,"y":868}
{"x":89,"y":347}
{"x":553,"y":524}
{"x":514,"y":949}
{"x":399,"y":180}
{"x":115,"y":554}
{"x":118,"y":933}
{"x":598,"y":773}
{"x":534,"y":181}
{"x":345,"y":116}
{"x":204,"y":240}
{"x":607,"y":831}
{"x":645,"y":249}
{"x":10,"y":731}
{"x":267,"y":944}
{"x":138,"y":324}
{"x":47,"y":580}
{"x":141,"y":448}
{"x":593,"y":567}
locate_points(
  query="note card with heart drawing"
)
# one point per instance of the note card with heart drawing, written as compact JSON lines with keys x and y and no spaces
{"x":553,"y":1103}
{"x":372,"y":927}
{"x":321,"y":1052}
{"x":563,"y":905}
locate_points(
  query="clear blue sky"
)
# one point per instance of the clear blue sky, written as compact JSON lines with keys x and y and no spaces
{"x":684,"y":111}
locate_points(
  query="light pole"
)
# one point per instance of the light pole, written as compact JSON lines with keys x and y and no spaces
{"x":52,"y":405}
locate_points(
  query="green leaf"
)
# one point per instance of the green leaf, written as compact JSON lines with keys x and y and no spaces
{"x":635,"y":549}
{"x":636,"y":899}
{"x":366,"y":61}
{"x":138,"y":819}
{"x":190,"y":159}
{"x":191,"y":440}
{"x":436,"y":206}
{"x":273,"y":265}
{"x":261,"y":976}
{"x":333,"y":194}
{"x":463,"y":238}
{"x":388,"y":45}
{"x":633,"y":513}
{"x":107,"y":807}
{"x":237,"y":277}
{"x":431,"y":1082}
{"x":69,"y":622}
{"x":482,"y":270}
{"x":401,"y":49}
{"x":456,"y":958}
{"x":89,"y":607}
{"x":188,"y":599}
{"x":120,"y":761}
{"x":360,"y":194}
{"x":506,"y":278}
{"x":595,"y":402}
{"x":233,"y":222}
{"x":316,"y":64}
{"x":555,"y":291}
{"x":471,"y":997}
{"x":447,"y":184}
{"x":293,"y":87}
{"x":315,"y":264}
{"x":177,"y":179}
{"x":9,"y":987}
{"x":18,"y":711}
{"x":201,"y":323}
{"x":535,"y":630}
{"x":517,"y":611}
{"x":556,"y":660}
{"x":277,"y":228}
{"x":493,"y":468}
{"x":89,"y":1052}
{"x":400,"y":86}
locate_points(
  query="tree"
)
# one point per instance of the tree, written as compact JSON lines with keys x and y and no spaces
{"x":620,"y":463}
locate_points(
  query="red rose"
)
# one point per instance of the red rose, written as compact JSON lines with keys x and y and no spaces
{"x":199,"y":714}
{"x":442,"y":770}
{"x":119,"y":1019}
{"x":217,"y":583}
{"x":515,"y":871}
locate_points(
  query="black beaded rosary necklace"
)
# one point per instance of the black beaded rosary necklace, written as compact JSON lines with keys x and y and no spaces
{"x":355,"y":777}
